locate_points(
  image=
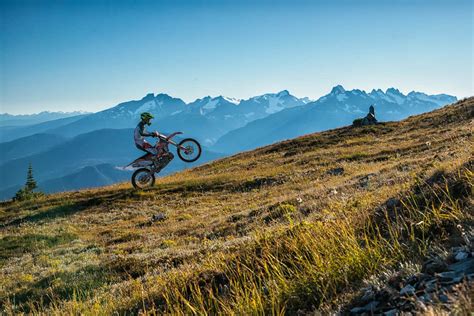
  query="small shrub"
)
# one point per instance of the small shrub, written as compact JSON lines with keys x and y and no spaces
{"x":281,"y":211}
{"x":167,"y":243}
{"x":357,"y":122}
{"x":26,"y":278}
{"x":184,"y":217}
{"x":24,"y":194}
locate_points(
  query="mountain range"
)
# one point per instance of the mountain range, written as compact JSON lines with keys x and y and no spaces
{"x":29,"y":119}
{"x":109,"y":148}
{"x":62,"y":150}
{"x":9,"y":133}
{"x":336,"y":109}
{"x":207,"y":118}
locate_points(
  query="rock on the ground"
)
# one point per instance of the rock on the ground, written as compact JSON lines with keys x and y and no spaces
{"x":443,"y":298}
{"x":371,"y":306}
{"x":357,"y":310}
{"x":336,"y":171}
{"x":408,"y":290}
{"x":392,"y":203}
{"x":438,"y":284}
{"x":460,"y":256}
{"x":433,"y":266}
{"x":466,"y":266}
{"x":158,"y":217}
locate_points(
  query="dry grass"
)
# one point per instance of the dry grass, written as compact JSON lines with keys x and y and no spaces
{"x":266,"y":231}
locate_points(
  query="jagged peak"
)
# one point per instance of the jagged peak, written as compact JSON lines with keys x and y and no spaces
{"x":394,"y":91}
{"x":149,"y":96}
{"x":338,"y":89}
{"x":415,"y":93}
{"x":221,"y":98}
{"x":283,"y":93}
{"x":230,"y":100}
{"x":163,"y":96}
{"x":376,"y":91}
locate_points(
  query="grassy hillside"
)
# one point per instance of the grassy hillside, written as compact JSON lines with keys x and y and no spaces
{"x":295,"y":226}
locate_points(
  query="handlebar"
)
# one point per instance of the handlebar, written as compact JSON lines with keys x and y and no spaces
{"x":167,"y":138}
{"x":158,"y":135}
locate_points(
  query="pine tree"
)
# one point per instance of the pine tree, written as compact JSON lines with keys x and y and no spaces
{"x":30,"y":181}
{"x":27,"y":192}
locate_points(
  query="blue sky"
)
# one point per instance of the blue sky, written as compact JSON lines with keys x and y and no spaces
{"x":91,"y":55}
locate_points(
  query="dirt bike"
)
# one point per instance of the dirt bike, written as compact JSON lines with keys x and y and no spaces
{"x":189,"y":150}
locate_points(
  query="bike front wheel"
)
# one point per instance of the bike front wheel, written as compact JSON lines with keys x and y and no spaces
{"x":143,"y":178}
{"x":189,"y":150}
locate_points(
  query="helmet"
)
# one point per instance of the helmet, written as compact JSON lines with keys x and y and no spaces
{"x":145,"y":116}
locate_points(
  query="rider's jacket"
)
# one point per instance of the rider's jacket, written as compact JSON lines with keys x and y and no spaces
{"x":140,"y":133}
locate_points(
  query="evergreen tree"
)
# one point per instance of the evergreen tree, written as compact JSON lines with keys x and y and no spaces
{"x":27,"y":192}
{"x":30,"y":181}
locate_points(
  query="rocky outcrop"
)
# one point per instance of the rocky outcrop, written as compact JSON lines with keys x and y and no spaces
{"x":437,"y":285}
{"x":369,"y":119}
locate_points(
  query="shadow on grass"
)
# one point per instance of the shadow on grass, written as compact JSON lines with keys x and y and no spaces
{"x":62,"y":286}
{"x":12,"y":246}
{"x":69,"y":208}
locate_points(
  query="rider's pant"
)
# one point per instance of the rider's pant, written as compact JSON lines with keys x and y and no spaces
{"x":148,"y":148}
{"x":163,"y":160}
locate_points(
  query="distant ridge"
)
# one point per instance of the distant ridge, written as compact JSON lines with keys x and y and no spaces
{"x":335,"y":109}
{"x":67,"y":146}
{"x":7,"y":119}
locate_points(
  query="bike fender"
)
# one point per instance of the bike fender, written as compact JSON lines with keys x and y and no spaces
{"x":174,"y":134}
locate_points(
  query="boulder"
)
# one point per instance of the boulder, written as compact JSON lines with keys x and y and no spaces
{"x":336,"y":171}
{"x":158,"y":217}
{"x":433,"y":266}
{"x":369,"y":119}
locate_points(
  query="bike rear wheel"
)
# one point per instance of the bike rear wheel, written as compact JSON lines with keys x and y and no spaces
{"x":189,"y":150}
{"x":143,"y":178}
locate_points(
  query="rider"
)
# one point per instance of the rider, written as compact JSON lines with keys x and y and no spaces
{"x":140,"y":142}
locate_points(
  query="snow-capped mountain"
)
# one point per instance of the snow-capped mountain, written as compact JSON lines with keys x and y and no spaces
{"x":207,"y":119}
{"x":68,"y":146}
{"x":391,"y":104}
{"x":124,"y":115}
{"x":275,"y":102}
{"x":208,"y":105}
{"x":338,"y":108}
{"x":264,"y":105}
{"x":247,"y":110}
{"x":162,"y":105}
